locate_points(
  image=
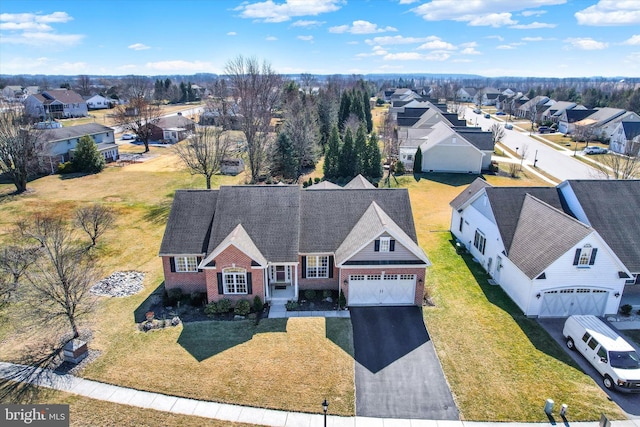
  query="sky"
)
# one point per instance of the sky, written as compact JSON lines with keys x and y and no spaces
{"x":492,"y":38}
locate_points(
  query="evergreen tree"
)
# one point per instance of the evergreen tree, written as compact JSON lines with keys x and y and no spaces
{"x":361,"y":152}
{"x":86,"y":157}
{"x":344,"y":111}
{"x":417,"y":161}
{"x":399,"y":168}
{"x":183,"y":92}
{"x":347,"y":156}
{"x":367,"y":111}
{"x":374,"y":158}
{"x":332,"y":156}
{"x":285,"y":161}
{"x":357,"y":109}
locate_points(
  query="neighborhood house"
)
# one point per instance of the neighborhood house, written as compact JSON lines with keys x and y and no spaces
{"x":556,"y":251}
{"x":275,"y":241}
{"x":56,"y":104}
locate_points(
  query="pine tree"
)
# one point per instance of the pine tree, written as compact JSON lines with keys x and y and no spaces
{"x":367,"y":111}
{"x":86,"y":157}
{"x":361,"y":152}
{"x":417,"y":161}
{"x":344,"y":111}
{"x":285,"y":161}
{"x":347,"y":156}
{"x":374,"y":158}
{"x":332,"y":156}
{"x":357,"y":109}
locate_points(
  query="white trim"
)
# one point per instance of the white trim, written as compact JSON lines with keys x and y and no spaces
{"x":402,"y":241}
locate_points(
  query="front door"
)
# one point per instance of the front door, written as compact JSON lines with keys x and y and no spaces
{"x":281,"y":274}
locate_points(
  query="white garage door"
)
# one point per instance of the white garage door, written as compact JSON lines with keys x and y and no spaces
{"x":376,"y":289}
{"x":567,"y":302}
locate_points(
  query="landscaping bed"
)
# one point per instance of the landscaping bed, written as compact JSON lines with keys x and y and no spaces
{"x":310,"y":300}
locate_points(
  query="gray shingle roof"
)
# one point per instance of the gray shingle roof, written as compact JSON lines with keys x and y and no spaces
{"x":61,"y":134}
{"x":479,"y":139}
{"x":542,"y":235}
{"x":613,"y":210}
{"x":324,"y":185}
{"x":507,"y":207}
{"x":468,"y":193}
{"x":327,"y":216}
{"x":187,"y":230}
{"x":358,"y":182}
{"x":631,"y":129}
{"x":174,"y":122}
{"x":270,"y":216}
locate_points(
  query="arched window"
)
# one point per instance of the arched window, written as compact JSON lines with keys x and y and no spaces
{"x":235,"y":280}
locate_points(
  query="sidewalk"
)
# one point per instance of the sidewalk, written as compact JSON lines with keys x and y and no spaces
{"x":245,"y":414}
{"x":279,"y":311}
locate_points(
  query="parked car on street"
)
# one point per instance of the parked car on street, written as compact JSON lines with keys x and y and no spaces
{"x":126,"y":136}
{"x":544,"y":129}
{"x":477,"y":110}
{"x":594,"y":150}
{"x":487,"y":116}
{"x":508,"y":126}
{"x":501,"y":113}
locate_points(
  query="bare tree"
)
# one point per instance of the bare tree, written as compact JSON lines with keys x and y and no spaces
{"x":497,"y":132}
{"x":136,"y":117}
{"x":60,"y":279}
{"x":256,"y":90}
{"x":138,"y":87}
{"x":524,"y":150}
{"x":14,"y":262}
{"x":84,"y":85}
{"x":389,"y":136}
{"x":18,"y":147}
{"x":307,"y":81}
{"x":95,"y":220}
{"x":204,"y":152}
{"x":620,"y":166}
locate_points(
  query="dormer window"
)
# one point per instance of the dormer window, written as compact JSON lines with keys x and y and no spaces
{"x":585,"y":256}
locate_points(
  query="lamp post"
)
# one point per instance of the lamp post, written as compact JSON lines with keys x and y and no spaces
{"x":325,"y":408}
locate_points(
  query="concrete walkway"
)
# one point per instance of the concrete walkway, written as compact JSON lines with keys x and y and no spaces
{"x":244,"y":414}
{"x":279,"y":311}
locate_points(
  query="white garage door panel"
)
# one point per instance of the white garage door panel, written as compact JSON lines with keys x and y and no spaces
{"x":381,"y":290}
{"x":568,"y":302}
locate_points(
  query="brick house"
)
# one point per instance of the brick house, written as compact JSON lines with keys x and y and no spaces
{"x":276,"y":241}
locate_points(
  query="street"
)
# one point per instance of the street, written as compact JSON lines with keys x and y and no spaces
{"x":559,"y":164}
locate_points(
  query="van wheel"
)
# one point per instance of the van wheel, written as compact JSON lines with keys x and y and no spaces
{"x":570,"y":344}
{"x":608,"y":382}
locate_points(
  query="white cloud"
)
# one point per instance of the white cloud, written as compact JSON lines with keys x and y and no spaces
{"x":466,"y":11}
{"x":232,"y":33}
{"x":33,"y":29}
{"x":270,"y":11}
{"x":585,"y":43}
{"x":505,"y":47}
{"x":179,"y":66}
{"x":492,"y":19}
{"x":415,"y":56}
{"x":469,"y":44}
{"x":306,"y":38}
{"x":44,"y":39}
{"x":361,"y":27}
{"x":271,"y":38}
{"x":532,"y":39}
{"x":390,"y":40}
{"x":408,"y":1}
{"x":307,"y":24}
{"x":532,"y":26}
{"x":138,"y":46}
{"x":533,"y":12}
{"x":436,"y":44}
{"x":469,"y":51}
{"x":633,"y":41}
{"x":499,"y":38}
{"x":610,"y":12}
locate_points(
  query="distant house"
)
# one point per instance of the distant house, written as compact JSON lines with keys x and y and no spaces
{"x":604,"y":121}
{"x":12,"y":93}
{"x":99,"y":102}
{"x":56,"y":104}
{"x":231,"y":166}
{"x":626,"y":138}
{"x":534,"y":108}
{"x":172,"y":129}
{"x":554,"y":112}
{"x":58,"y":144}
{"x":568,"y":118}
{"x":466,"y":94}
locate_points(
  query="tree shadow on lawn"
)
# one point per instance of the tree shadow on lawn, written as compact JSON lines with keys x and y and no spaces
{"x":452,"y":179}
{"x":538,"y":336}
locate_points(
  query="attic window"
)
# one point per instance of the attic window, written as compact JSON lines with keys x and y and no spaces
{"x":585,"y":256}
{"x":542,"y":276}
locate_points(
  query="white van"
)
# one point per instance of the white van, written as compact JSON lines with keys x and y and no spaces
{"x":615,"y":359}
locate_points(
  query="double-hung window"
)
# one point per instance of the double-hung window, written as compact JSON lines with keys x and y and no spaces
{"x":318,"y":266}
{"x":235,"y":280}
{"x":186,"y":264}
{"x":479,"y":241}
{"x":384,"y":244}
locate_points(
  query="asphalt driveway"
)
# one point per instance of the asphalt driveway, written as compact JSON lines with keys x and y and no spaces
{"x":398,"y":374}
{"x":630,"y":403}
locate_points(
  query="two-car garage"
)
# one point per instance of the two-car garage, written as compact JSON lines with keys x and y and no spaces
{"x":573,"y":301}
{"x":382,"y":289}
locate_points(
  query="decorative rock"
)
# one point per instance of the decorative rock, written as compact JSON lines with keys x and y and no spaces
{"x":119,"y":284}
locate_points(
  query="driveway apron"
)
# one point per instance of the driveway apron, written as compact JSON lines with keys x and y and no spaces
{"x":398,"y":374}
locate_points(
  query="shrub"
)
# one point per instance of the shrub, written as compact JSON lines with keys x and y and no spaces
{"x":399,"y":168}
{"x":242,"y":308}
{"x":310,"y":294}
{"x":316,"y":180}
{"x":211,"y":308}
{"x":342,"y":300}
{"x":173,"y":296}
{"x":66,"y":167}
{"x":626,"y":309}
{"x":291,"y":305}
{"x":224,"y":306}
{"x":258,"y":306}
{"x":326,"y":293}
{"x":197,"y":298}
